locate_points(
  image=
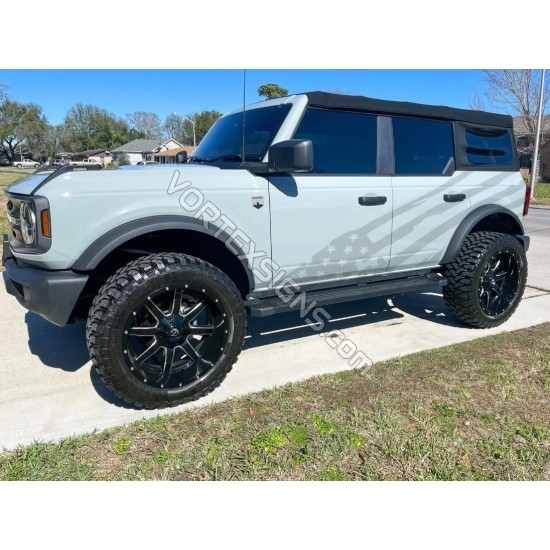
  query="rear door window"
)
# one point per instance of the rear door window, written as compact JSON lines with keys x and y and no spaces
{"x":422,"y":146}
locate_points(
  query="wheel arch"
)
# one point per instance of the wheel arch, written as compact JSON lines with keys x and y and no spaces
{"x":489,"y":217}
{"x":169,"y":234}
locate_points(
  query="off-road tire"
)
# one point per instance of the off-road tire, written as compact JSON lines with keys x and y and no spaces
{"x":136,"y":311}
{"x":475,"y":278}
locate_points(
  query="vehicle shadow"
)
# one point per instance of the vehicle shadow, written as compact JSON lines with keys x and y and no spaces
{"x":65,"y":347}
{"x":427,"y":305}
{"x":105,"y":393}
{"x":289,"y":326}
{"x":282,"y":327}
{"x":58,"y":347}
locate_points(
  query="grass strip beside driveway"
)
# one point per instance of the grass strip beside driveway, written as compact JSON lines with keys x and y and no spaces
{"x":472,"y":411}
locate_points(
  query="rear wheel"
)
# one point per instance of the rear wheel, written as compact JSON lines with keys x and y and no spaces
{"x":486,"y":279}
{"x":165,"y":329}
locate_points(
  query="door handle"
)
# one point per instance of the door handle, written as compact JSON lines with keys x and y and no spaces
{"x":372,"y":201}
{"x":458,"y":197}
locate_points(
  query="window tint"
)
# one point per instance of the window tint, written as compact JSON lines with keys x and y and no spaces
{"x":225,"y":138}
{"x":489,"y":146}
{"x":422,"y":146}
{"x":343,"y":142}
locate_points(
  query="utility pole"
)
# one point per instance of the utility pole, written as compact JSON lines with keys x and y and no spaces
{"x":534,"y":165}
{"x":194,"y":135}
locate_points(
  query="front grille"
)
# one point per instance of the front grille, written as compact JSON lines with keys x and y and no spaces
{"x":13,"y":214}
{"x":14,"y":220}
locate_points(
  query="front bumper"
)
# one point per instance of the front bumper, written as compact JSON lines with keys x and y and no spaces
{"x":51,"y":294}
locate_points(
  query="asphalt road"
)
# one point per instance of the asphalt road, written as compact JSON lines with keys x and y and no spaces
{"x":537,"y":225}
{"x":49,"y":389}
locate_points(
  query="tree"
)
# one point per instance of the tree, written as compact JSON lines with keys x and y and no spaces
{"x":21,"y":124}
{"x":174,"y":127}
{"x":180,"y":127}
{"x":123,"y":159}
{"x":203,"y":122}
{"x":272,"y":91}
{"x":55,"y":140}
{"x":89,"y":127}
{"x":147,"y":124}
{"x":3,"y":94}
{"x":516,"y":92}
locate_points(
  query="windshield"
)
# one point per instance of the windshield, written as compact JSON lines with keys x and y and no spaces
{"x":224,"y":141}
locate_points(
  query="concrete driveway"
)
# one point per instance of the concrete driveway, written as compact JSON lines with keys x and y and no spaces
{"x":49,"y":389}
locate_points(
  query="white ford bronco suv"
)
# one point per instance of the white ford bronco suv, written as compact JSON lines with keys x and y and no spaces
{"x":296,"y":202}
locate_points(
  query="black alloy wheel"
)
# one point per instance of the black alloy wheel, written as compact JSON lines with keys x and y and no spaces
{"x":165,"y":330}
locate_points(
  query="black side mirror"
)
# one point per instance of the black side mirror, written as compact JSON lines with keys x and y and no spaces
{"x":292,"y":155}
{"x":181,"y":157}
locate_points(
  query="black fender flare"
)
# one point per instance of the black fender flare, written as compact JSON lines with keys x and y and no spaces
{"x":472,"y":219}
{"x":102,"y":247}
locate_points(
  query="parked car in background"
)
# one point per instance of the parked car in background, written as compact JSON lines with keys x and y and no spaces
{"x":26,"y":163}
{"x":58,"y":163}
{"x":146,"y":162}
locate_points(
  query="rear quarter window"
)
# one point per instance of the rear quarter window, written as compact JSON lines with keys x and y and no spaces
{"x":489,"y":146}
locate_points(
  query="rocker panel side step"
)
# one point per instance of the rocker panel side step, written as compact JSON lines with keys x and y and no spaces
{"x":305,"y":300}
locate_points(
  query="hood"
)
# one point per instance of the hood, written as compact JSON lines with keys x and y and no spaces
{"x":26,"y":185}
{"x":29,"y":185}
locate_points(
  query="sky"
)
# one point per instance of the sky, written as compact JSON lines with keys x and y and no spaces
{"x":185,"y":59}
{"x":185,"y":91}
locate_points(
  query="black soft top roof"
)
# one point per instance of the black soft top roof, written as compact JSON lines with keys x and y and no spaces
{"x":360,"y":103}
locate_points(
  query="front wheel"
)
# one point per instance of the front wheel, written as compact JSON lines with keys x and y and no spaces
{"x":165,"y":329}
{"x":486,"y":279}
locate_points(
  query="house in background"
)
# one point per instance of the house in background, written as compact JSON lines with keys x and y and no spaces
{"x":143,"y":149}
{"x":21,"y":154}
{"x":525,"y":145}
{"x":100,"y":156}
{"x":172,"y":156}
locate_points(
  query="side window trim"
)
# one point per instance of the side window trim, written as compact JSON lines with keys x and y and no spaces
{"x":385,"y":159}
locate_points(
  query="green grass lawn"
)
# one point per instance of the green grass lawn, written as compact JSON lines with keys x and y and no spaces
{"x":473,"y":411}
{"x":6,"y":177}
{"x":542,"y":193}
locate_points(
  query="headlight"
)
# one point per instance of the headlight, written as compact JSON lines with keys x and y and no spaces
{"x":28,"y":224}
